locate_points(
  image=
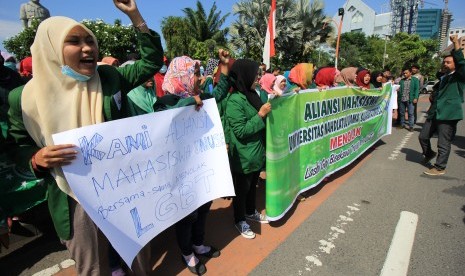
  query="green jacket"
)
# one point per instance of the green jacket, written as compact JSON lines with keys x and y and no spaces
{"x":207,"y":85}
{"x":447,"y":102}
{"x":113,"y":80}
{"x":246,"y":135}
{"x":414,"y":89}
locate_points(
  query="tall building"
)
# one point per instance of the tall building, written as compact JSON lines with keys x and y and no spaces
{"x":429,"y":23}
{"x":445,"y":25}
{"x":404,"y":15}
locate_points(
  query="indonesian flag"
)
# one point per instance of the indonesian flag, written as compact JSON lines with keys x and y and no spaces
{"x":268,"y":50}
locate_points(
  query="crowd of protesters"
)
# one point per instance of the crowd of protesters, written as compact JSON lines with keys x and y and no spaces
{"x":53,"y":91}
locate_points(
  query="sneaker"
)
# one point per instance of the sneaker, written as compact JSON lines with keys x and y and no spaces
{"x":410,"y":129}
{"x":429,"y":157}
{"x":434,"y":171}
{"x":244,"y":229}
{"x":257,"y":217}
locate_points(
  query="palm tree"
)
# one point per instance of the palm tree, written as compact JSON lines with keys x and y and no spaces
{"x":203,"y":27}
{"x":175,"y":30}
{"x":313,"y":20}
{"x":299,"y":26}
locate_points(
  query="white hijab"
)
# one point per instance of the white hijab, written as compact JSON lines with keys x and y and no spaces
{"x":53,"y":102}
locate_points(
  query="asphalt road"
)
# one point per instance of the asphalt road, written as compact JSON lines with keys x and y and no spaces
{"x":354,"y":230}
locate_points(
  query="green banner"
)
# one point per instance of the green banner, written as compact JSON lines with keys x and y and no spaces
{"x":311,"y":135}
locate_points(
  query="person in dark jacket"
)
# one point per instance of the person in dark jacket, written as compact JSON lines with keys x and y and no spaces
{"x":445,"y":111}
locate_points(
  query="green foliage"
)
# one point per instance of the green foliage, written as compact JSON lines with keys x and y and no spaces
{"x":197,"y":35}
{"x":402,"y":50}
{"x":299,"y":30}
{"x":114,"y":40}
{"x":20,"y":44}
{"x":203,"y":27}
{"x":175,"y":30}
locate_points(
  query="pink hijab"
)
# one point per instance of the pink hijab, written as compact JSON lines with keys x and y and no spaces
{"x":279,"y":79}
{"x":266,"y":82}
{"x":179,"y":78}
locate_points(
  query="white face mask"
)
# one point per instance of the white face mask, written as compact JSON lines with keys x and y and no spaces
{"x":66,"y":70}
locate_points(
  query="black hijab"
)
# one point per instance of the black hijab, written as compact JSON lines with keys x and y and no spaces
{"x":373,"y":80}
{"x":242,"y":76}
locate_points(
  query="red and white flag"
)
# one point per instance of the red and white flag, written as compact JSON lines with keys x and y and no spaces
{"x":268,"y":50}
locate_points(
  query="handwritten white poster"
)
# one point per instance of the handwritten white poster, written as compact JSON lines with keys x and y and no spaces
{"x":137,"y":176}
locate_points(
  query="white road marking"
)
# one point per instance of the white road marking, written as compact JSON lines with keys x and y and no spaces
{"x":56,"y":268}
{"x":398,"y":258}
{"x":329,"y":241}
{"x":398,"y":149}
{"x":48,"y":271}
{"x":67,"y":263}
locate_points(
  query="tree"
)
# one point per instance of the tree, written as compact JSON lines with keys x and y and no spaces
{"x":175,"y":30}
{"x":352,"y":47}
{"x":114,"y":40}
{"x":402,"y":50}
{"x":203,"y":27}
{"x":299,"y":29}
{"x":20,"y":44}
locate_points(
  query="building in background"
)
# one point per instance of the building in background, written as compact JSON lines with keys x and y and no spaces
{"x":359,"y":17}
{"x":405,"y":16}
{"x":429,"y":23}
{"x":458,"y":31}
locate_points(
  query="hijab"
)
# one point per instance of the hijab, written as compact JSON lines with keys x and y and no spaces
{"x":360,"y":76}
{"x":212,"y":63}
{"x":242,"y":75}
{"x":144,"y":97}
{"x":374,"y":75}
{"x":348,"y":76}
{"x":25,"y":67}
{"x":326,"y":76}
{"x":302,"y":75}
{"x":179,"y":78}
{"x":53,"y":102}
{"x":278,"y":80}
{"x":266,"y":82}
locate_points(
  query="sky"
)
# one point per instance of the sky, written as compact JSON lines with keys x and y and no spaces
{"x":155,"y":10}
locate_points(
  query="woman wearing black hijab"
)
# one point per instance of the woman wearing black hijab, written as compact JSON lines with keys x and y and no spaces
{"x":245,"y":114}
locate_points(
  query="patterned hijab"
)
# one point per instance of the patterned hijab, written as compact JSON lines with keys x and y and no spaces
{"x":53,"y":102}
{"x":179,"y":78}
{"x":212,"y":63}
{"x":242,"y":75}
{"x":302,"y":75}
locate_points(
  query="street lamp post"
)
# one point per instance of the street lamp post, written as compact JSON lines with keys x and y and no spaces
{"x":339,"y":29}
{"x":384,"y":54}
